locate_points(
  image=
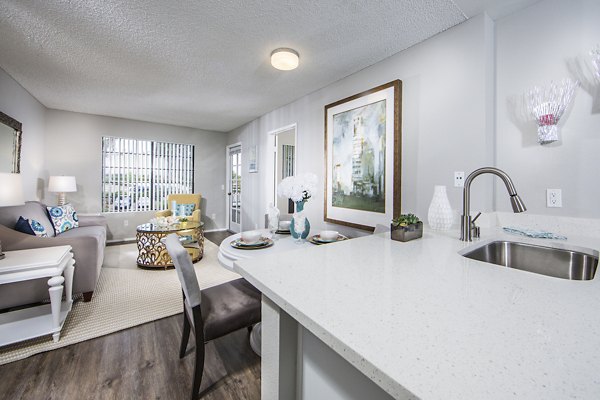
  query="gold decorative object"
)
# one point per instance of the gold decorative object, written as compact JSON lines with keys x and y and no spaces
{"x":152,"y":253}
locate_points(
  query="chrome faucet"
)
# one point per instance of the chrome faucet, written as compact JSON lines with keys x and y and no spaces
{"x":467,"y":225}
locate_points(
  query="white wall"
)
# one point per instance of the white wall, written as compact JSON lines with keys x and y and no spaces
{"x":66,"y":143}
{"x":458,"y":114}
{"x":550,"y":41}
{"x":456,"y":117}
{"x":73,"y":147}
{"x":16,"y":102}
{"x":447,"y":122}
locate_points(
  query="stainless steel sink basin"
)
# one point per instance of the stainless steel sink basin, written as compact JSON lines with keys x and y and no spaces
{"x":559,"y":263}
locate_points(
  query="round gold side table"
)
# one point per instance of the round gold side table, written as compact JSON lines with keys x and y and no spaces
{"x":152,"y":253}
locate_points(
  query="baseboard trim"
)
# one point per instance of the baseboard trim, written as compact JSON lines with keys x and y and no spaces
{"x":216,"y":230}
{"x":116,"y":242}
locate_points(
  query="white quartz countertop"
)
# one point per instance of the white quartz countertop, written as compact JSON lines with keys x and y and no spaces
{"x":424,"y":322}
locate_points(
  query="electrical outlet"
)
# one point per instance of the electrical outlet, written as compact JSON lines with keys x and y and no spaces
{"x":459,"y":179}
{"x":125,"y":222}
{"x":213,"y":216}
{"x":222,"y":187}
{"x":553,"y":198}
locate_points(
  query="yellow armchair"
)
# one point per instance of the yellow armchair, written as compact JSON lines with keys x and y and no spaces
{"x":183,"y":199}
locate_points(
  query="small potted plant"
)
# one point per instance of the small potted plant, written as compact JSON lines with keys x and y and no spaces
{"x":406,"y":227}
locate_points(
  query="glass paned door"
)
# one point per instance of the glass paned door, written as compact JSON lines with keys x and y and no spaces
{"x":235,"y":188}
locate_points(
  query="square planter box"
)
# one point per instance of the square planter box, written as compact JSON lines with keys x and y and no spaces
{"x":406,"y":233}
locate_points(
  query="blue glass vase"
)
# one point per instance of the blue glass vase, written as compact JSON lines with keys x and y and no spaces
{"x":304,"y":233}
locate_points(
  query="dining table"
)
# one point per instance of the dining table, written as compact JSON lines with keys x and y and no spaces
{"x":281,"y":243}
{"x":228,"y":255}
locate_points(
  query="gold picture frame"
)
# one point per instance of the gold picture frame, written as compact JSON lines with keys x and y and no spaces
{"x":11,"y":132}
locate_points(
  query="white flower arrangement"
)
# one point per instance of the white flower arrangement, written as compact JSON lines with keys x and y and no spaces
{"x":299,"y":187}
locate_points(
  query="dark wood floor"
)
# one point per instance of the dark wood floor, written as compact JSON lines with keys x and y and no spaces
{"x":217,"y":237}
{"x":137,"y":363}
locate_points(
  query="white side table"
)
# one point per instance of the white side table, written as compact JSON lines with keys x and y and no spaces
{"x":24,"y":265}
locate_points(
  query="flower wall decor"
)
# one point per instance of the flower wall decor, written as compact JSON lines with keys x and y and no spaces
{"x":547,"y":105}
{"x":595,"y":53}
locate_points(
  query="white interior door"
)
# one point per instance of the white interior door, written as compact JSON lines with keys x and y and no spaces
{"x":284,"y":165}
{"x":234,"y":183}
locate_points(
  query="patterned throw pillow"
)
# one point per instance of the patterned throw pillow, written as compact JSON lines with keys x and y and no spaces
{"x":63,"y":218}
{"x":185,"y":210}
{"x":31,"y":227}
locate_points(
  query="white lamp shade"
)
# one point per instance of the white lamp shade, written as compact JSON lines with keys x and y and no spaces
{"x":285,"y":59}
{"x":62,"y":184}
{"x":11,"y":189}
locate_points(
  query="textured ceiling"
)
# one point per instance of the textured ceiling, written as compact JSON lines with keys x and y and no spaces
{"x":203,"y":64}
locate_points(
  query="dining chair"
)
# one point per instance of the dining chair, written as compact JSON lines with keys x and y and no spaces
{"x":213,"y":312}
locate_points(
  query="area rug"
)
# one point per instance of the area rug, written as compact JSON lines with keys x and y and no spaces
{"x":125,"y":296}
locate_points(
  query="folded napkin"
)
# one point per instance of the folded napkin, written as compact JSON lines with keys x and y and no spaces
{"x":532,"y":233}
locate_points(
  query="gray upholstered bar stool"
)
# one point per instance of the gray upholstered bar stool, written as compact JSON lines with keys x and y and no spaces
{"x":213,"y":312}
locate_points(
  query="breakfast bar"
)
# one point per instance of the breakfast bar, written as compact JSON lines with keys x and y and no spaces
{"x":379,"y":319}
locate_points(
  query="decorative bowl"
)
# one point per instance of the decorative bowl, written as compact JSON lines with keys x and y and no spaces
{"x":251,"y":237}
{"x":328,"y":236}
{"x":164,"y":222}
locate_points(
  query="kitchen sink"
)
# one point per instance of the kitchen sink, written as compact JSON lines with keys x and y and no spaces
{"x":550,"y":261}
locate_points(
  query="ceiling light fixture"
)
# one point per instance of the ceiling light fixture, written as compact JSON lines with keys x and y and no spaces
{"x":285,"y":59}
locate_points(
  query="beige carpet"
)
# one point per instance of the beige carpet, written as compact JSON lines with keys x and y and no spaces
{"x":126,"y":296}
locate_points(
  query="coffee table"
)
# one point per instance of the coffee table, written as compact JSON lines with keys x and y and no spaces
{"x":153,"y":254}
{"x":41,"y":263}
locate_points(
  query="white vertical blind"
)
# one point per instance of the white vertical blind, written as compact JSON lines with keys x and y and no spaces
{"x":137,"y":175}
{"x":288,"y":161}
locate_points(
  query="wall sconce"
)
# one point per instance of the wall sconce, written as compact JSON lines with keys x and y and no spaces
{"x":547,"y":105}
{"x":595,"y":53}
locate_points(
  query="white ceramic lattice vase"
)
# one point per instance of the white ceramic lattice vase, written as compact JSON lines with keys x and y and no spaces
{"x":440,"y":215}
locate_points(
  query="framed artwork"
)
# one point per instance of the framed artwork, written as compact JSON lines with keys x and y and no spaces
{"x":363,"y":158}
{"x":253,"y":159}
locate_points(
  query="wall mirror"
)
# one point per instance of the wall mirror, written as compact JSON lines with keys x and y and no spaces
{"x":284,"y":163}
{"x":10,"y":144}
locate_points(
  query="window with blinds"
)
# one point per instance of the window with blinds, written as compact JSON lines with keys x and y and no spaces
{"x":288,"y":161}
{"x":137,"y":175}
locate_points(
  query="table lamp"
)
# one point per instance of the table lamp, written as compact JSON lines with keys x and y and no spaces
{"x":11,"y":193}
{"x":61,"y":185}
